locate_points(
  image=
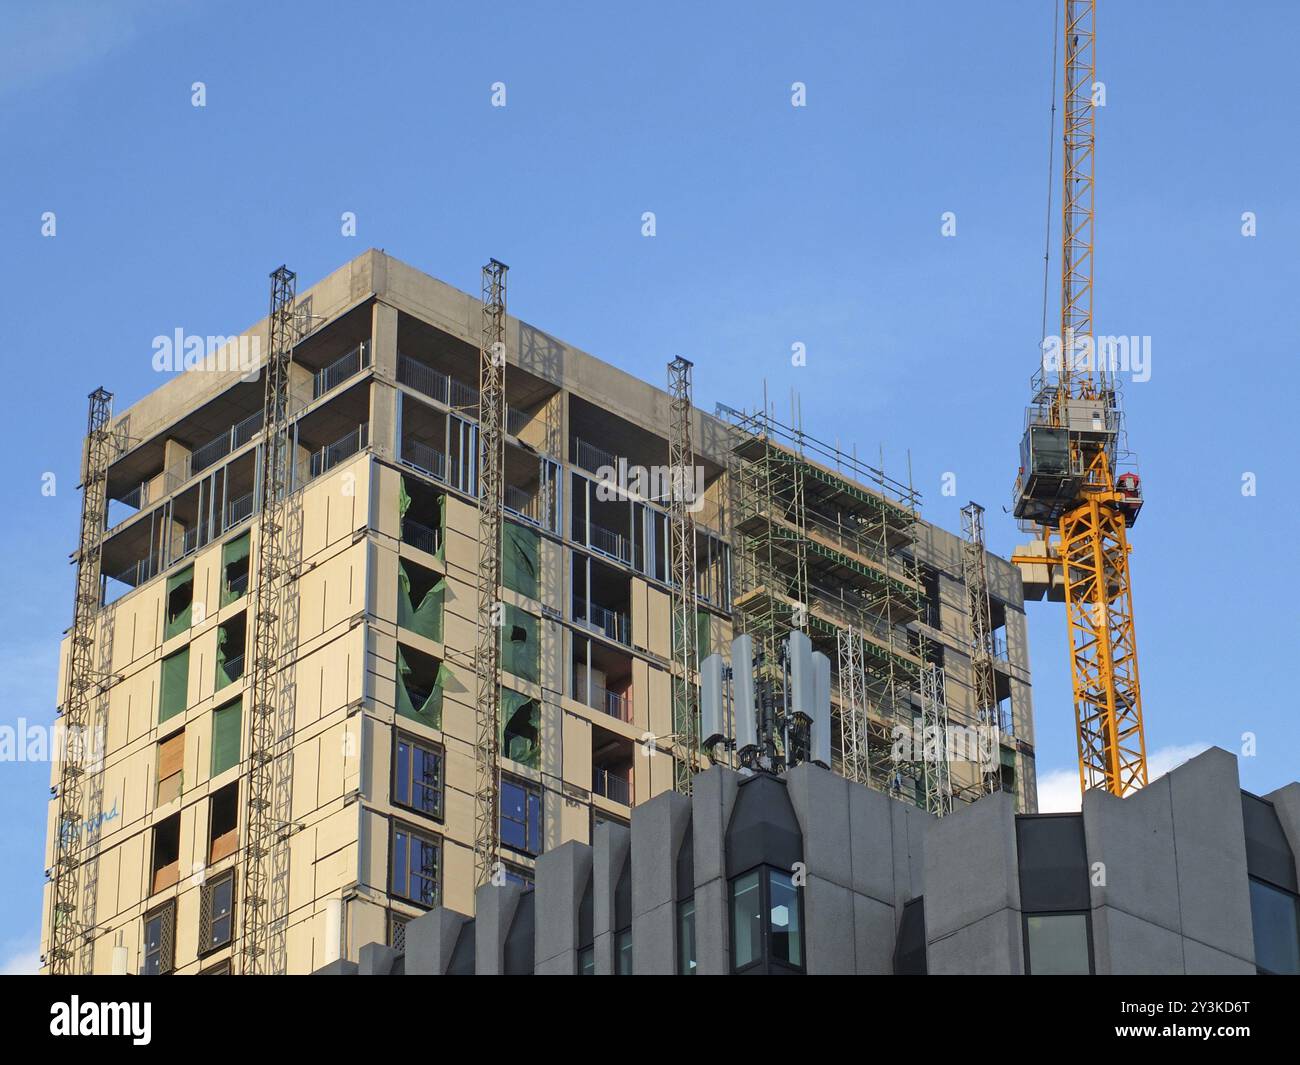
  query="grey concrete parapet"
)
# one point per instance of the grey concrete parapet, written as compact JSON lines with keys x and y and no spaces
{"x":611,"y":847}
{"x":430,"y":941}
{"x":376,"y":959}
{"x":494,"y":909}
{"x":562,"y":876}
{"x":659,"y":828}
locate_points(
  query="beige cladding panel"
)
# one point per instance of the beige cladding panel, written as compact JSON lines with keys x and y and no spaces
{"x":458,"y":876}
{"x":334,"y":506}
{"x":577,"y":751}
{"x":551,"y":561}
{"x":659,"y":613}
{"x":387,"y":488}
{"x":333,"y":592}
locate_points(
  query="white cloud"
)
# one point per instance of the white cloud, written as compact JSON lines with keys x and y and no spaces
{"x":23,"y":961}
{"x":1058,"y":789}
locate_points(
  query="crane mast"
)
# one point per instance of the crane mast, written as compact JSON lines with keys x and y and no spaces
{"x":1069,"y":485}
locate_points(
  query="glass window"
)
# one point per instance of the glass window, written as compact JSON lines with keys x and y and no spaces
{"x":746,"y":920}
{"x":1275,"y":915}
{"x":623,"y":953}
{"x":418,"y":777}
{"x":1057,"y":944}
{"x":587,"y":961}
{"x":787,"y":940}
{"x":686,"y":937}
{"x":159,"y":928}
{"x":218,"y":902}
{"x":415,"y":866}
{"x":521,"y":817}
{"x":521,"y":878}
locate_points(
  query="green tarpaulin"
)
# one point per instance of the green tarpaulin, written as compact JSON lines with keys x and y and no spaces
{"x":236,"y":671}
{"x":701,"y":633}
{"x":181,"y":604}
{"x":521,"y":734}
{"x":226,"y":736}
{"x":519,"y":562}
{"x":233,"y":552}
{"x":429,"y":712}
{"x":174,"y":691}
{"x":520,"y":647}
{"x":403,"y":500}
{"x":426,"y":618}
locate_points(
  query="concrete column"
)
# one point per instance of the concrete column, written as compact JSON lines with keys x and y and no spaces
{"x":383,"y":391}
{"x":1286,"y":801}
{"x":658,"y":829}
{"x":821,"y":805}
{"x":430,"y":940}
{"x":712,"y":802}
{"x":562,"y":876}
{"x":611,"y":846}
{"x":972,"y":890}
{"x":1213,"y":884}
{"x":494,"y":909}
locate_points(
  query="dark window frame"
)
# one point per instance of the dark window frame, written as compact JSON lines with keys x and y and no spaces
{"x":425,"y":837}
{"x":1264,"y":882}
{"x":686,"y":966}
{"x":428,"y":747}
{"x":166,"y":913}
{"x":1087,"y":925}
{"x":207,"y":899}
{"x":531,"y":791}
{"x":766,"y":961}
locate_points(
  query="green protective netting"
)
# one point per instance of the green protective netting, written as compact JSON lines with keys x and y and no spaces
{"x":429,"y":712}
{"x":234,"y":551}
{"x":441,"y":553}
{"x":226,"y":736}
{"x":174,"y":691}
{"x":403,"y":500}
{"x":224,"y":678}
{"x":180,"y":621}
{"x":519,"y":562}
{"x":521,"y":728}
{"x":426,"y":619}
{"x":520,"y":647}
{"x":702,"y":637}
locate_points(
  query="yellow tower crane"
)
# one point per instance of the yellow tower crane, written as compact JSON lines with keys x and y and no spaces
{"x":1070,"y":486}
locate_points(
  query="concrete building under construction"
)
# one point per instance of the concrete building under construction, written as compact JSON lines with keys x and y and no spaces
{"x":267,"y":788}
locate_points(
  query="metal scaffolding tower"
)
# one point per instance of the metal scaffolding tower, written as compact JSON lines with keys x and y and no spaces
{"x":974,"y":572}
{"x":265,"y":880}
{"x":934,"y":739}
{"x":491,"y":500}
{"x":681,"y":533}
{"x":81,"y":751}
{"x":853,"y":705}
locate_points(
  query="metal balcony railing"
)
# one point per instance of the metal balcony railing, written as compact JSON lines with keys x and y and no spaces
{"x":238,"y":510}
{"x":421,"y":537}
{"x":425,"y":459}
{"x":610,"y":543}
{"x":592,"y":458}
{"x":433,"y":383}
{"x":345,"y":447}
{"x":341,"y":369}
{"x":608,"y":783}
{"x":613,"y":624}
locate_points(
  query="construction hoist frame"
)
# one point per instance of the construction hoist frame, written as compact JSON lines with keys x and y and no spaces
{"x":491,"y":500}
{"x":852,"y":674}
{"x":681,"y":534}
{"x":81,"y":752}
{"x":265,"y":889}
{"x":934,"y":741}
{"x":979,"y":608}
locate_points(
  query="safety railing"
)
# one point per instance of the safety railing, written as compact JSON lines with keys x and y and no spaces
{"x":612,"y":623}
{"x":421,"y":537}
{"x":425,"y":459}
{"x":345,"y":447}
{"x":612,"y":786}
{"x":608,"y":542}
{"x":345,"y":366}
{"x":592,"y":458}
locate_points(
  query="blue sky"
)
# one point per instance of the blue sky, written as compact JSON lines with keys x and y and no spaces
{"x":775,"y":225}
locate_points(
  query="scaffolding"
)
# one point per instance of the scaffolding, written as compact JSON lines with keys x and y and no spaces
{"x":823,"y":543}
{"x":269,"y":809}
{"x":491,"y":500}
{"x":936,"y":754}
{"x":974,"y":572}
{"x":681,"y":532}
{"x":81,"y":751}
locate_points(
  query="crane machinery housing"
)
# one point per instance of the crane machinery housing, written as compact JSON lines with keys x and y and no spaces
{"x":1070,"y":485}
